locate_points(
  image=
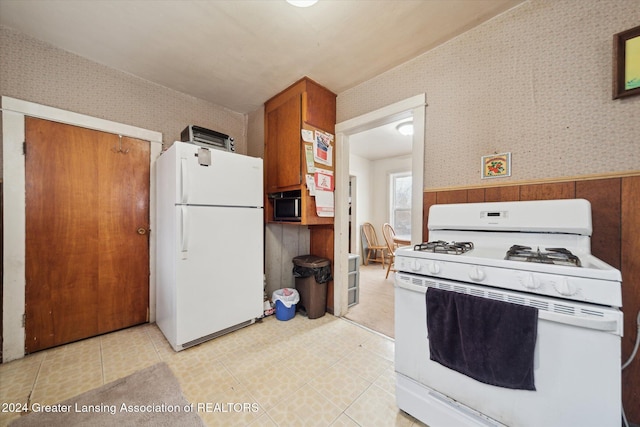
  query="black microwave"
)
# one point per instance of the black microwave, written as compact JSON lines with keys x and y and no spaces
{"x":287,"y":206}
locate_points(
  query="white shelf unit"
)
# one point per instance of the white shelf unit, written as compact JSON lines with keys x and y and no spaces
{"x":354,"y":279}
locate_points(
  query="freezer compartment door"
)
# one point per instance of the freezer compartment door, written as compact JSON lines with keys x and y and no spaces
{"x":219,"y":255}
{"x":215,"y":177}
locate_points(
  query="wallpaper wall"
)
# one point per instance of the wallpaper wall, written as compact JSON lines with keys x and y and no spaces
{"x":535,"y":81}
{"x":38,"y":72}
{"x":255,"y":133}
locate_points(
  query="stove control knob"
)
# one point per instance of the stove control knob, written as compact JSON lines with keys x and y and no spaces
{"x":477,"y":274}
{"x":529,"y":282}
{"x":433,"y":268}
{"x":414,"y":265}
{"x":565,"y":288}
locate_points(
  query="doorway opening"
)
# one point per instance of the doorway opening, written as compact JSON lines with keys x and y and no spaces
{"x":347,"y":134}
{"x":380,"y":185}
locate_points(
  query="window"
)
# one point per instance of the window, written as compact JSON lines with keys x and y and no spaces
{"x":400,"y":201}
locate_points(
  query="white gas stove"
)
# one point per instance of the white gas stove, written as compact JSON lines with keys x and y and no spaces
{"x":535,"y":254}
{"x":542,"y":260}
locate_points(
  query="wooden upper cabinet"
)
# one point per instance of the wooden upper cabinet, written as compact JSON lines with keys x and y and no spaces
{"x":303,"y":105}
{"x":282,"y":146}
{"x":319,"y":107}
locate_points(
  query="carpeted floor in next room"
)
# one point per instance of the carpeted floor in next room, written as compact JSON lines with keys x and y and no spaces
{"x":376,"y":307}
{"x":320,"y":372}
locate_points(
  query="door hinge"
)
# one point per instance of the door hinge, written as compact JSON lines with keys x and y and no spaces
{"x":24,"y":320}
{"x":24,"y":148}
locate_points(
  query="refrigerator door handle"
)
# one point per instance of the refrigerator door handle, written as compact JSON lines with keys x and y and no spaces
{"x":183,"y":183}
{"x":184,"y":232}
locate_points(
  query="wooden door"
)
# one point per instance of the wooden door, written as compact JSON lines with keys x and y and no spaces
{"x":87,"y":268}
{"x":123,"y":243}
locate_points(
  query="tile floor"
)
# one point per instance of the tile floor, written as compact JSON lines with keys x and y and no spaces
{"x":301,"y":372}
{"x":375,"y":309}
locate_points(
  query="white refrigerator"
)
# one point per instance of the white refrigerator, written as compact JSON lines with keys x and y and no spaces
{"x":209,"y":266}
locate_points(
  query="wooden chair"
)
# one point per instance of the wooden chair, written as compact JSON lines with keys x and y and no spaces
{"x":388,"y":233}
{"x":373,"y":248}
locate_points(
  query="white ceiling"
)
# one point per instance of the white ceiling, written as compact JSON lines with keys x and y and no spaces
{"x":381,"y":143}
{"x":239,"y":53}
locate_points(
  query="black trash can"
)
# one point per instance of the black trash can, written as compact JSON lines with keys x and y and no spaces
{"x":312,"y":274}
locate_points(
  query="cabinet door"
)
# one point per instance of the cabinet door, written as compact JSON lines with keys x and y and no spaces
{"x":319,"y":108}
{"x":283,"y":145}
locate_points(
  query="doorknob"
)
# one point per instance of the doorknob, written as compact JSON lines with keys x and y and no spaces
{"x":142,"y":230}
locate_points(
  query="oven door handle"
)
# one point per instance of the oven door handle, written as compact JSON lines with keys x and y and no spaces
{"x":598,"y":324}
{"x":410,"y":287}
{"x":607,"y":325}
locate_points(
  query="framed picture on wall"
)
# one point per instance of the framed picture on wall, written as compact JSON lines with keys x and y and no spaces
{"x":496,"y":165}
{"x":626,"y":63}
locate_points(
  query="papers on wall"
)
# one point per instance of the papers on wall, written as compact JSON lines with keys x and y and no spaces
{"x":325,"y":138}
{"x":324,"y":203}
{"x":311,"y":184}
{"x":308,"y":155}
{"x":307,"y":135}
{"x":323,"y":148}
{"x":323,"y":179}
{"x":319,"y":180}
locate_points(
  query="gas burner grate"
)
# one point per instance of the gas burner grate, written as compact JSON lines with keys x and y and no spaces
{"x":560,"y":256}
{"x":440,"y":246}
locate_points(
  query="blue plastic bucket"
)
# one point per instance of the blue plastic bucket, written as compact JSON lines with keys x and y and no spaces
{"x":284,"y":313}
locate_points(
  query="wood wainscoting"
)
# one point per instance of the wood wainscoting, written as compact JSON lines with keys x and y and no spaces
{"x":615,"y":205}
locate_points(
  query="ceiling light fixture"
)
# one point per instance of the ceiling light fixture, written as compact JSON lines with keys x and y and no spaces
{"x":302,"y":3}
{"x":405,"y":128}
